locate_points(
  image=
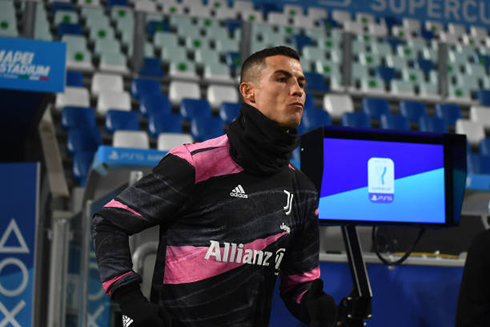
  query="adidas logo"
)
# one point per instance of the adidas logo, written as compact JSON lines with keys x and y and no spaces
{"x":239,"y":192}
{"x":126,"y":321}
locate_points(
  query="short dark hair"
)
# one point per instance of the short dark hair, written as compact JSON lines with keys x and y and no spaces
{"x":258,"y":58}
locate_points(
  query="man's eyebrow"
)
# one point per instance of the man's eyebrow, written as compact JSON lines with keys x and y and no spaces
{"x":288,"y":74}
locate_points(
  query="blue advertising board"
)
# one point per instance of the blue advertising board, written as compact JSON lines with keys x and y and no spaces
{"x":18,"y":222}
{"x":465,"y":12}
{"x":32,"y":65}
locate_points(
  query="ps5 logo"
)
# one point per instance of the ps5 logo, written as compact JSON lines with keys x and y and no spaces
{"x":381,"y":180}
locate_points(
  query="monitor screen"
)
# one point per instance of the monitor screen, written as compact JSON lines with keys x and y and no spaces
{"x":380,"y":177}
{"x":382,"y":181}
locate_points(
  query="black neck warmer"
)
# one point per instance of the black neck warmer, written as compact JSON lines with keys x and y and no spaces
{"x":258,"y":144}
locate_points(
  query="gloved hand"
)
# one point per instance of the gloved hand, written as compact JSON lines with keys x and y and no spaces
{"x":320,"y":306}
{"x":137,"y":310}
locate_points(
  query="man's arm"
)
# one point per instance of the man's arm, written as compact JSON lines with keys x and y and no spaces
{"x":154,"y":200}
{"x":301,"y":287}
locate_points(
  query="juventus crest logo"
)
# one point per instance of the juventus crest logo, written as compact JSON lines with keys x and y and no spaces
{"x":289,"y":202}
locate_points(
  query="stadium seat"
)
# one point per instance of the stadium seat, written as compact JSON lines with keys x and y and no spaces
{"x":480,"y":115}
{"x":179,"y":90}
{"x":73,"y":96}
{"x":483,"y":96}
{"x":83,"y":139}
{"x":412,"y":110}
{"x":161,"y":122}
{"x":432,"y":124}
{"x":205,"y":128}
{"x":113,"y":100}
{"x":131,"y":139}
{"x":194,"y":108}
{"x":484,"y":146}
{"x":391,"y":121}
{"x":68,"y":28}
{"x":315,"y":82}
{"x":355,"y":119}
{"x":75,"y":117}
{"x":474,"y":131}
{"x":449,"y":112}
{"x":314,"y":118}
{"x":151,"y":67}
{"x":74,"y":79}
{"x":168,"y":141}
{"x":337,"y":104}
{"x":386,"y":73}
{"x":217,"y":94}
{"x":121,"y":120}
{"x":102,"y":82}
{"x":143,"y":86}
{"x":82,"y":162}
{"x":154,"y":103}
{"x":228,"y":111}
{"x":375,"y":107}
{"x":424,"y":65}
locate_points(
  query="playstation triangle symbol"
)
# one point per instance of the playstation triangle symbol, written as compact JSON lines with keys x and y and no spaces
{"x":13,"y":228}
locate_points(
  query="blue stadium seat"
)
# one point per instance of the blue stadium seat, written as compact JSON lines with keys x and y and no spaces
{"x":121,"y":120}
{"x":74,"y":117}
{"x":82,"y":162}
{"x":154,"y":103}
{"x":111,"y":3}
{"x":432,"y":124}
{"x":355,"y":119}
{"x":164,"y":123}
{"x":329,"y":23}
{"x":375,"y":107}
{"x":315,"y":82}
{"x":478,"y":163}
{"x":229,"y":111}
{"x":314,"y":118}
{"x":233,"y":24}
{"x":55,"y":6}
{"x":424,"y":65}
{"x":206,"y":127}
{"x":484,"y":146}
{"x":426,"y":34}
{"x":157,"y":26}
{"x":192,"y":108}
{"x":68,"y":28}
{"x":309,"y":102}
{"x":151,"y":67}
{"x":412,"y":110}
{"x":391,"y":21}
{"x":74,"y":79}
{"x":386,"y":73}
{"x":449,"y":112}
{"x":391,"y":121}
{"x":301,"y":40}
{"x":482,"y":59}
{"x":83,"y":139}
{"x":140,"y":86}
{"x":483,"y":96}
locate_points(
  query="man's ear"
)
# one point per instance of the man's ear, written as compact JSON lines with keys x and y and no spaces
{"x":247,"y":89}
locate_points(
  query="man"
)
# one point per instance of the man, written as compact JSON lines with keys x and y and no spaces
{"x":233,"y":214}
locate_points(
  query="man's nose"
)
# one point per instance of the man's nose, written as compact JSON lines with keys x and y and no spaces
{"x":297,"y":90}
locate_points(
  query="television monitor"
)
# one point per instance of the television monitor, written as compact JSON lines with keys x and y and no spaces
{"x":375,"y":177}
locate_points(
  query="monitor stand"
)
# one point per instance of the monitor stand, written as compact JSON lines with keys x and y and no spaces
{"x":357,"y":305}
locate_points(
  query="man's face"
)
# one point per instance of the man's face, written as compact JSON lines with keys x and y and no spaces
{"x":280,"y":91}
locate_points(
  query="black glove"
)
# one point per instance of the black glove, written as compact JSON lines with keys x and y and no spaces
{"x":320,"y":306}
{"x":138,"y":310}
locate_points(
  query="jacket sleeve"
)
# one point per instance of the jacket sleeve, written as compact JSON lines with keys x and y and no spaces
{"x":153,"y":200}
{"x":301,"y":265}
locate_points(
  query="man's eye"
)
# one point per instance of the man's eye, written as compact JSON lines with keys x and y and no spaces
{"x":282,"y":79}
